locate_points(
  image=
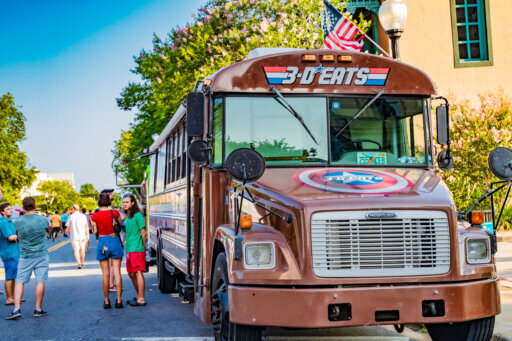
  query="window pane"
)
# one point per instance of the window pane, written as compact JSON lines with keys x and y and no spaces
{"x":472,"y":2}
{"x":217,"y":131}
{"x":389,"y":132}
{"x":463,"y":51}
{"x":267,"y":125}
{"x":473,"y":33}
{"x":462,"y":33}
{"x":461,"y":15}
{"x":459,"y":2}
{"x":475,"y":50}
{"x":472,"y":14}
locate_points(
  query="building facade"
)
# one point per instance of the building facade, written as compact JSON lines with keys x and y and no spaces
{"x":461,"y":44}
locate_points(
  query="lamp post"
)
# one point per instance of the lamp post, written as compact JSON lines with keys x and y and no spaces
{"x":392,"y":16}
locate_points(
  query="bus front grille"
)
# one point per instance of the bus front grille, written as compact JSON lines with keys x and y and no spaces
{"x":349,"y":244}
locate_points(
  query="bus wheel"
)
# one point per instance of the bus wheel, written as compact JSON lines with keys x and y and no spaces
{"x":476,"y":330}
{"x":222,"y":328}
{"x":166,"y":280}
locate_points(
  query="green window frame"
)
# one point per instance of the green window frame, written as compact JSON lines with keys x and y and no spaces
{"x":471,"y":29}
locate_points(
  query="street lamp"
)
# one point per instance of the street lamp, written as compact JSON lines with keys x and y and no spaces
{"x":392,"y":16}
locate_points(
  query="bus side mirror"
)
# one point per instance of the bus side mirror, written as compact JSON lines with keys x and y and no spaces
{"x":195,"y":114}
{"x":443,"y":129}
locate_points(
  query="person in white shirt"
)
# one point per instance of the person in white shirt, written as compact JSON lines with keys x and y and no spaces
{"x":78,"y":230}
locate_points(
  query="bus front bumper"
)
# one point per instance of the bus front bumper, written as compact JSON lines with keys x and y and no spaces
{"x":309,"y":307}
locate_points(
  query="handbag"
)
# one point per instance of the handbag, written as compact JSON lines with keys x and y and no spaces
{"x":117,"y":226}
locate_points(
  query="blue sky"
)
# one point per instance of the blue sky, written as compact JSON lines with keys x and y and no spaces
{"x":65,"y":62}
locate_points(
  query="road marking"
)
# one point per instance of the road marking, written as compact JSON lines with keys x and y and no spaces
{"x":58,"y":246}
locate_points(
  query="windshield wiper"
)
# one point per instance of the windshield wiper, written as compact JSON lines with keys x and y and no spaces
{"x":370,"y":102}
{"x":295,"y":113}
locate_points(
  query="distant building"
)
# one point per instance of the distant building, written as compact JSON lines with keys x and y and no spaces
{"x":32,"y":190}
{"x":461,"y":44}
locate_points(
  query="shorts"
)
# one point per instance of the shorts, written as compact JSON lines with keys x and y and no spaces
{"x":55,"y":230}
{"x":135,"y":261}
{"x":11,"y":268}
{"x":39,"y":265}
{"x":109,"y":247}
{"x":78,"y":244}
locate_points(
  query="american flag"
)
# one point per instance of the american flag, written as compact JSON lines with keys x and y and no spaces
{"x":340,"y":32}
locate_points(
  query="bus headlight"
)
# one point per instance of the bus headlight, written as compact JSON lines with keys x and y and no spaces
{"x":478,"y":250}
{"x":259,"y":255}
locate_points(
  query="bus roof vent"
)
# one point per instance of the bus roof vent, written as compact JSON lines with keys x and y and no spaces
{"x":265,"y":51}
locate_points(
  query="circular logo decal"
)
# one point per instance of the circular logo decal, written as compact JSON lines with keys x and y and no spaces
{"x":355,"y":181}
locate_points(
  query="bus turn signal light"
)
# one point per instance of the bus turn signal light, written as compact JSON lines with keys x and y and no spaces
{"x":345,"y":59}
{"x":309,"y":58}
{"x":476,"y":217}
{"x":327,"y":58}
{"x":245,"y":222}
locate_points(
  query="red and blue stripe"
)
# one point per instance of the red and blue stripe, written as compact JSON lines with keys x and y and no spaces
{"x":276,"y":74}
{"x":377,"y":76}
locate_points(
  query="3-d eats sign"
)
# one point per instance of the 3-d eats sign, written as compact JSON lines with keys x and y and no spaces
{"x":287,"y":75}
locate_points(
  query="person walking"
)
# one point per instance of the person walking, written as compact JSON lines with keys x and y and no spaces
{"x":31,"y":230}
{"x":135,"y":248}
{"x":88,"y":217}
{"x":64,"y":218}
{"x":9,"y":251}
{"x":109,"y":247}
{"x":78,"y":231}
{"x":56,"y":224}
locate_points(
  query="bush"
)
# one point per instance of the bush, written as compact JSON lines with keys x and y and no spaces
{"x":475,"y":131}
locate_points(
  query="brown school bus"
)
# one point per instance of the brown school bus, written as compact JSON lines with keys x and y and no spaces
{"x":349,"y":224}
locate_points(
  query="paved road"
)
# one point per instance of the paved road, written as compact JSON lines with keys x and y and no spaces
{"x":74,"y":301}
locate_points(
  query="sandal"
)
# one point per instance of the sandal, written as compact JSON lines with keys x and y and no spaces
{"x":119,"y":305}
{"x":137,"y":304}
{"x":129,"y":301}
{"x":107,"y":305}
{"x":12,"y":303}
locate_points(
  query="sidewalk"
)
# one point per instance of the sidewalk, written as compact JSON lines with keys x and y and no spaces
{"x":503,"y":326}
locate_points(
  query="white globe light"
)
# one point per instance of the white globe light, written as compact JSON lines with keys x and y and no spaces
{"x":392,"y":15}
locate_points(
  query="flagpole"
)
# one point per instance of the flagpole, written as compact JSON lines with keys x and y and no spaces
{"x":374,"y":43}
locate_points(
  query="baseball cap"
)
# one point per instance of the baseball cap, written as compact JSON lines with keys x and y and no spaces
{"x":76,"y":207}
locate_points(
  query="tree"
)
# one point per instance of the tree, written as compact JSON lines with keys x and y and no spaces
{"x":222,"y":33}
{"x":61,"y":196}
{"x":88,"y":191}
{"x":15,"y":172}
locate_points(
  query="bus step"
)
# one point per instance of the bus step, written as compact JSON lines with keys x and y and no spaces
{"x":187,"y":291}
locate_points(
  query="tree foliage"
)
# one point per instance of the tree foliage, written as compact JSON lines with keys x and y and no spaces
{"x":475,"y":131}
{"x":15,"y":172}
{"x":56,"y":196}
{"x":88,"y":191}
{"x":222,"y":33}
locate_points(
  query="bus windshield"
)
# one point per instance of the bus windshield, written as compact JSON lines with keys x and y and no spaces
{"x":390,"y":132}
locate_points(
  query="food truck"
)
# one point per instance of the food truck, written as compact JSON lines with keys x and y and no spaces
{"x":348,"y":223}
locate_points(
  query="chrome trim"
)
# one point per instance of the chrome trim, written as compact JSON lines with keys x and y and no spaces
{"x":347,"y":244}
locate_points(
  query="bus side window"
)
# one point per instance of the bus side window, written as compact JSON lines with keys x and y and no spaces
{"x":168,"y":179}
{"x":184,"y":154}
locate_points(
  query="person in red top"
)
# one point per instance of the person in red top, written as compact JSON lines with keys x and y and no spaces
{"x":109,"y":247}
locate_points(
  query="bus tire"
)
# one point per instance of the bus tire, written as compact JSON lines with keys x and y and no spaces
{"x":166,"y":280}
{"x":475,"y":330}
{"x":222,"y":328}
